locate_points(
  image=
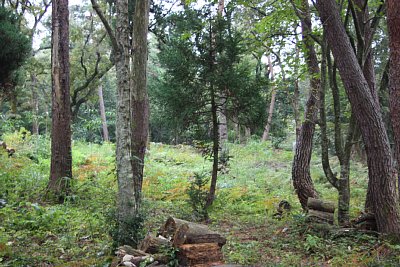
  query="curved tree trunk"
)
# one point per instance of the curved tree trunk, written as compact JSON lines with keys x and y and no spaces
{"x":380,"y":165}
{"x":61,"y":157}
{"x":301,"y":163}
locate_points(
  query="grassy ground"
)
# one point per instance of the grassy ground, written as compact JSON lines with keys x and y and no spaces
{"x":35,"y":233}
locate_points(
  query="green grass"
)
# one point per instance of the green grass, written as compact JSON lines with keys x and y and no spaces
{"x":34,"y":232}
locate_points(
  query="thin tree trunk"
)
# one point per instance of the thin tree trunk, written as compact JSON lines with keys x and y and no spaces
{"x":380,"y":165}
{"x":35,"y":105}
{"x":214,"y":173}
{"x":393,"y":22}
{"x":302,"y":181}
{"x":343,"y":152}
{"x":222,"y":111}
{"x":61,"y":157}
{"x":140,"y":104}
{"x":267,"y":128}
{"x":106,"y":137}
{"x":216,"y":123}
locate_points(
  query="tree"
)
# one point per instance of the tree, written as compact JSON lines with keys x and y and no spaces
{"x":366,"y":110}
{"x":14,"y":48}
{"x":302,"y":181}
{"x":139,"y":96}
{"x":131,"y":134}
{"x":393,"y":22}
{"x":61,"y":157}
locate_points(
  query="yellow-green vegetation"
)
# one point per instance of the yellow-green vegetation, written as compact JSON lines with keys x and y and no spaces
{"x":36,"y":233}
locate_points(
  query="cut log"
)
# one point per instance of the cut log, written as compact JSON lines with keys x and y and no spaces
{"x":152,"y":245}
{"x":180,"y":235}
{"x":206,"y":254}
{"x":320,"y":205}
{"x":191,"y":233}
{"x":320,"y":216}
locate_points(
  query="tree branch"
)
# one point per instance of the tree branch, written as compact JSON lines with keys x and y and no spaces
{"x":103,"y":19}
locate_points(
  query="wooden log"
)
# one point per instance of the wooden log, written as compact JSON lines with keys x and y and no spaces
{"x":320,"y":205}
{"x":320,"y":216}
{"x":205,"y":254}
{"x":191,"y":233}
{"x":152,"y":245}
{"x":180,"y":235}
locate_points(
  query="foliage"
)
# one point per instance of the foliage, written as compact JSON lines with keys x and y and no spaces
{"x":14,"y":45}
{"x":198,"y":193}
{"x":77,"y":232}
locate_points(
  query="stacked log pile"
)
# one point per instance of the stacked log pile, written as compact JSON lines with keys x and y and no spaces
{"x":320,"y":211}
{"x":196,"y":246}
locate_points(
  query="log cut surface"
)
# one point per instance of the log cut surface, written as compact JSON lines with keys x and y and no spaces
{"x":206,"y":254}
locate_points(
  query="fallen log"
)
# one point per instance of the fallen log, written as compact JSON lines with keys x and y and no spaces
{"x":320,"y":216}
{"x":151,"y":244}
{"x":205,"y":254}
{"x":320,"y":205}
{"x":184,"y":232}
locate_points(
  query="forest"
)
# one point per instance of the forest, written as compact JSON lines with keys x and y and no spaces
{"x":199,"y":133}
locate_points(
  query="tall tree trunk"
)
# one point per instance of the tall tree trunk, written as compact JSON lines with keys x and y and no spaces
{"x":35,"y":104}
{"x":140,"y":103}
{"x":301,"y":163}
{"x":106,"y":137}
{"x":61,"y":157}
{"x":127,"y":205}
{"x":366,"y":110}
{"x":393,"y":22}
{"x":222,"y":111}
{"x":267,"y":127}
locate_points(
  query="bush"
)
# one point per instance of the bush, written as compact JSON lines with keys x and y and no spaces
{"x":198,"y":193}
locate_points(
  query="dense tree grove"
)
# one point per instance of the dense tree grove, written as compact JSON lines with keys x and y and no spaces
{"x":314,"y":84}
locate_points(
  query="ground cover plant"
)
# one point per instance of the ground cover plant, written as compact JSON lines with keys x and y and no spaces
{"x":34,"y":232}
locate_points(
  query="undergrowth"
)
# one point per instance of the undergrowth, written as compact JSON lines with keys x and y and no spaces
{"x":77,"y":233}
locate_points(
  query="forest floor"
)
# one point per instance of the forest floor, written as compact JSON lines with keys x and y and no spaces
{"x":36,"y":233}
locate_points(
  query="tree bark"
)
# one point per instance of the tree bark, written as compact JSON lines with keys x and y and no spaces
{"x":393,"y":22}
{"x":301,"y":164}
{"x":215,"y":136}
{"x":267,"y":128}
{"x":140,"y":102}
{"x":126,"y":200}
{"x":366,"y":110}
{"x":61,"y":157}
{"x":106,"y":137}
